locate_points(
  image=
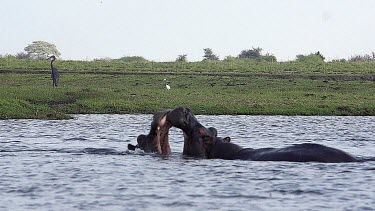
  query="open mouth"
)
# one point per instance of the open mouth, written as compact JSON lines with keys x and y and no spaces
{"x":157,"y":140}
{"x":162,"y":136}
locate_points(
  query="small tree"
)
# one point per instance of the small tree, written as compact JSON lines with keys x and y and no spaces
{"x":320,"y":55}
{"x":311,"y":58}
{"x":254,"y":53}
{"x":182,"y":58}
{"x":41,"y":49}
{"x":209,"y":55}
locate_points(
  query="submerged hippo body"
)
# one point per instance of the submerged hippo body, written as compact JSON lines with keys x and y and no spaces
{"x":306,"y":152}
{"x":203,"y":142}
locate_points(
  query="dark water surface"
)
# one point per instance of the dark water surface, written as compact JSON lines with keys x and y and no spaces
{"x":83,"y":164}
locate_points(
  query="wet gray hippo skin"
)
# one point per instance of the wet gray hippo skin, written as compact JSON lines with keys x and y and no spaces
{"x":157,"y":139}
{"x":307,"y":152}
{"x":203,"y":143}
{"x":194,"y":132}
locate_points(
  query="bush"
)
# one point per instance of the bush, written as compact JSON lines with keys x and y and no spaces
{"x":22,"y":55}
{"x":230,"y":59}
{"x":268,"y":58}
{"x":312,"y":58}
{"x":132,"y":59}
{"x":364,"y":58}
{"x":256,"y":55}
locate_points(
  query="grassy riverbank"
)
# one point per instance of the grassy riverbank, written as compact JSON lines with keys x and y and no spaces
{"x":32,"y":95}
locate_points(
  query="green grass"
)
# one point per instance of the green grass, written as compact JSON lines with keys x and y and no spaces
{"x":32,"y":95}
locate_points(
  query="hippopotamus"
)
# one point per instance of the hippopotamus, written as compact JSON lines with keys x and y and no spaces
{"x":307,"y":152}
{"x":157,"y":140}
{"x":194,"y":132}
{"x":203,"y":142}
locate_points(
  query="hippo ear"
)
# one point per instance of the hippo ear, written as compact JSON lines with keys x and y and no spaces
{"x":202,"y":132}
{"x":213,"y":131}
{"x":227,"y":139}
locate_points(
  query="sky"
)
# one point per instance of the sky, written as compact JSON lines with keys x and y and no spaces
{"x":160,"y":30}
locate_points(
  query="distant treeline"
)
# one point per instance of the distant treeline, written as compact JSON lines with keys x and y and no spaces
{"x":248,"y":61}
{"x":253,"y":54}
{"x":233,"y":66}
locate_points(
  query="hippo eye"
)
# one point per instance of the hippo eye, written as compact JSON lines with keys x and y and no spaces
{"x":206,"y":138}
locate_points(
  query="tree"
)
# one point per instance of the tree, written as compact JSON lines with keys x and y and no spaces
{"x":182,"y":58}
{"x":311,"y":58}
{"x":209,"y":55}
{"x":41,"y":49}
{"x":320,"y":55}
{"x":254,"y":53}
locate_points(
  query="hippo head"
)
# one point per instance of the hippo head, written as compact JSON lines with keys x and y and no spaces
{"x":194,"y":132}
{"x":202,"y":142}
{"x":183,"y":118}
{"x":158,"y":138}
{"x":148,"y":143}
{"x":194,"y":142}
{"x":219,"y":147}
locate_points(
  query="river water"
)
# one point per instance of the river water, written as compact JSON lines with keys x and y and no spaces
{"x":83,"y":164}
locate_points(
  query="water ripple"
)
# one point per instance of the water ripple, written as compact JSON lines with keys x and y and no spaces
{"x":84,"y":164}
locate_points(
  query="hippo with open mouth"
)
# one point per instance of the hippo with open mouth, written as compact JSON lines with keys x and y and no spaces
{"x":202,"y":142}
{"x":157,"y":140}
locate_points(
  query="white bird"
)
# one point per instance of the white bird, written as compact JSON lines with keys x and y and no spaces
{"x":167,"y":87}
